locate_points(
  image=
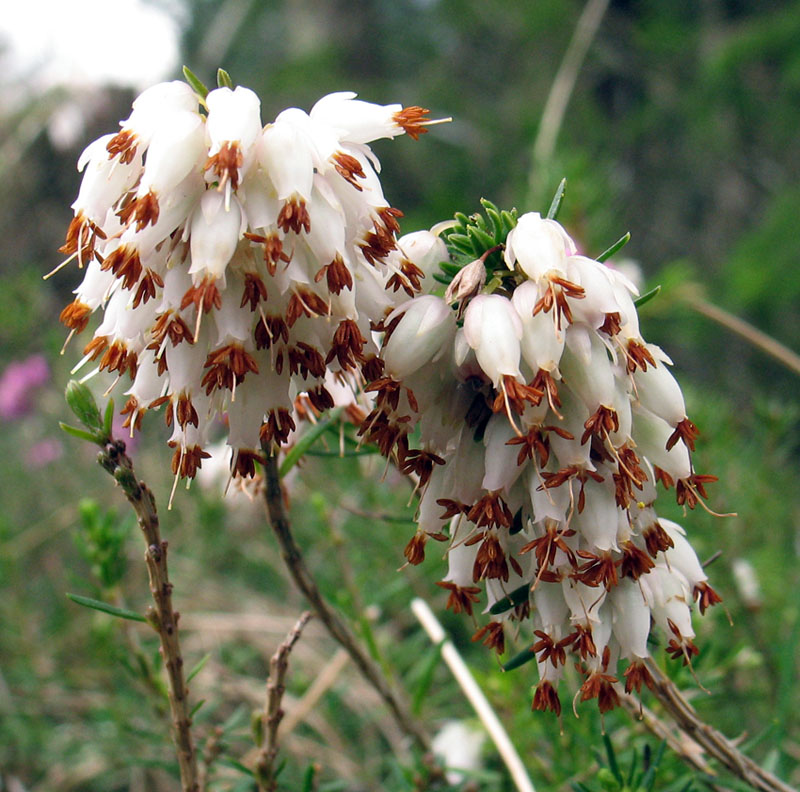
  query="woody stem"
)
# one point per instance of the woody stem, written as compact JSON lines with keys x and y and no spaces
{"x":160,"y":615}
{"x":714,"y":742}
{"x":335,"y":625}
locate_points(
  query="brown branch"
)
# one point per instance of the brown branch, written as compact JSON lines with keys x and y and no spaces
{"x":338,"y":629}
{"x":712,"y":741}
{"x":160,"y":615}
{"x":273,"y":712}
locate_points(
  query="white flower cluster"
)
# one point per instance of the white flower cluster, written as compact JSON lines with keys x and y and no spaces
{"x":544,"y":424}
{"x":237,"y":264}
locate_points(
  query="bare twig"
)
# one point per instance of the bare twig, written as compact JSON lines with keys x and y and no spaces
{"x":681,"y":743}
{"x":333,"y":622}
{"x":160,"y":615}
{"x":479,"y":702}
{"x":715,"y":743}
{"x":759,"y":339}
{"x":564,"y":84}
{"x":273,"y":712}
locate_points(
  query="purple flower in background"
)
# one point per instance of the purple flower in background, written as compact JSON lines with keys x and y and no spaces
{"x":43,"y":453}
{"x":17,"y":383}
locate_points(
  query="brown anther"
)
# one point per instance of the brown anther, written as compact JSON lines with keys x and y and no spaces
{"x":273,"y":249}
{"x":347,"y":345}
{"x":349,"y":168}
{"x":421,"y":463}
{"x":689,"y":490}
{"x":544,"y":382}
{"x":535,"y":443}
{"x":336,"y":274}
{"x":204,"y":296}
{"x":81,"y":236}
{"x":372,"y":367}
{"x":705,"y":596}
{"x":293,"y":216}
{"x":415,"y":549}
{"x":663,"y":477}
{"x":304,"y":303}
{"x":226,"y":163}
{"x":146,"y":210}
{"x":118,"y":357}
{"x":244,"y":464}
{"x":636,"y":674}
{"x":461,"y":598}
{"x":150,"y":282}
{"x":656,"y":539}
{"x":134,"y":413}
{"x":545,"y":698}
{"x":123,"y":145}
{"x":491,"y":510}
{"x":270,"y":330}
{"x":680,"y":646}
{"x":492,"y":636}
{"x":612,"y":324}
{"x":546,"y":546}
{"x":170,"y":325}
{"x":601,"y":687}
{"x":306,"y":360}
{"x":598,"y":569}
{"x":452,"y":508}
{"x":277,"y":427}
{"x":76,"y":316}
{"x":638,"y":356}
{"x":254,"y":290}
{"x":124,"y":262}
{"x":227,"y":367}
{"x":95,"y":347}
{"x":556,"y":293}
{"x":412,"y":121}
{"x":490,"y":561}
{"x":547,"y":648}
{"x":604,"y":421}
{"x":185,"y":411}
{"x":635,"y":561}
{"x":516,"y":393}
{"x":188,"y":460}
{"x":581,"y":641}
{"x":686,"y":431}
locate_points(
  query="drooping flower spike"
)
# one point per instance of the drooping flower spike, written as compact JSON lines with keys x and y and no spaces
{"x":237,"y":265}
{"x":538,"y":422}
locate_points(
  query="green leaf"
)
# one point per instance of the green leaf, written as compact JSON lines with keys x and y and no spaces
{"x":509,"y":219}
{"x":308,"y":778}
{"x":449,"y":268}
{"x":81,"y":401}
{"x":236,"y":766}
{"x":525,"y":656}
{"x":108,"y":418}
{"x":197,"y":668}
{"x":615,"y":248}
{"x":307,"y":440}
{"x":122,"y":613}
{"x":224,"y":79}
{"x":481,"y":241}
{"x":517,"y":596}
{"x":195,"y":83}
{"x":196,"y":708}
{"x":79,"y":433}
{"x":612,"y":759}
{"x":558,"y":198}
{"x":647,"y":296}
{"x":426,"y":677}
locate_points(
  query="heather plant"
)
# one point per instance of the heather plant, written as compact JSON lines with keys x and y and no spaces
{"x":255,"y":290}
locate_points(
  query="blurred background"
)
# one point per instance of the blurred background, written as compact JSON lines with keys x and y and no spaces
{"x":674,"y":121}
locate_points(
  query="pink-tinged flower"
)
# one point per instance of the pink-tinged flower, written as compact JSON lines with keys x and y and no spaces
{"x":18,"y":383}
